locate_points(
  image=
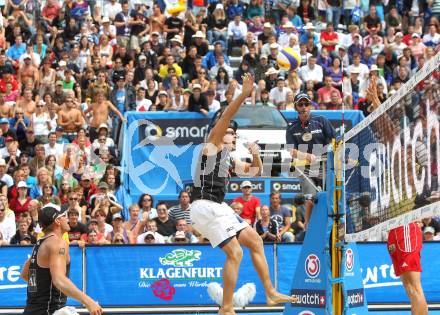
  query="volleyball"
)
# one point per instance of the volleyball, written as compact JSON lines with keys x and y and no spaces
{"x":288,"y":59}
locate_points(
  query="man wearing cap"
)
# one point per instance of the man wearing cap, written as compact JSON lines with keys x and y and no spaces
{"x":306,"y":137}
{"x":352,"y":88}
{"x":284,"y":38}
{"x":213,"y":218}
{"x":261,"y":68}
{"x":251,"y":204}
{"x":47,"y":269}
{"x":29,"y":143}
{"x":28,"y":71}
{"x":200,"y":43}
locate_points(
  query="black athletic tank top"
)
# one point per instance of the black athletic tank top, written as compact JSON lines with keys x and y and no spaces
{"x":43,"y":298}
{"x":212,"y":177}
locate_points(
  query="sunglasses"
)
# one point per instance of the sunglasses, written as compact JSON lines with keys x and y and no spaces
{"x":303,"y":104}
{"x":146,"y":200}
{"x":99,"y":215}
{"x":73,"y":199}
{"x":39,"y":106}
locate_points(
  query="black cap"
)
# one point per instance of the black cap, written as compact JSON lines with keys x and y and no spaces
{"x":233,"y":125}
{"x":26,"y":237}
{"x":301,"y":96}
{"x":49,"y":213}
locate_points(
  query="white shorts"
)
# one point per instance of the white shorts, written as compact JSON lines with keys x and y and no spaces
{"x":217,"y":222}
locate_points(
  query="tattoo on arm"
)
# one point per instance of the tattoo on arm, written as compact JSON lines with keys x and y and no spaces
{"x":62,"y":251}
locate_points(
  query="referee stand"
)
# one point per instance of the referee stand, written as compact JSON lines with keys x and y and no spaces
{"x":328,"y":278}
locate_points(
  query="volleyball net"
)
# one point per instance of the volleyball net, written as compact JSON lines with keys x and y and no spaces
{"x":391,"y":169}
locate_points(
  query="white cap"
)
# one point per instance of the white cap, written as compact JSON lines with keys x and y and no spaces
{"x":162,"y":93}
{"x":309,"y":26}
{"x":199,"y":34}
{"x":197,"y":86}
{"x":22,"y":184}
{"x":267,"y":25}
{"x":270,"y":71}
{"x":219,"y":6}
{"x":62,"y":63}
{"x":274,"y":46}
{"x":374,"y":68}
{"x":2,"y":162}
{"x":355,"y":70}
{"x":399,"y":34}
{"x":105,"y":19}
{"x":177,"y":38}
{"x":26,"y":56}
{"x":103,"y":125}
{"x":246,"y":183}
{"x":288,"y":25}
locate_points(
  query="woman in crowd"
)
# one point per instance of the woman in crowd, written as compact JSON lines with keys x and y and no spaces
{"x":40,"y":122}
{"x":147,"y":211}
{"x":43,"y":178}
{"x":267,"y":227}
{"x":20,"y":204}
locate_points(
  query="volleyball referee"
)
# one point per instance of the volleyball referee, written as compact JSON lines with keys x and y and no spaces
{"x":307,"y":135}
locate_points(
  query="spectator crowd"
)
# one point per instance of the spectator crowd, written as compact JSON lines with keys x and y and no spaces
{"x":70,"y":70}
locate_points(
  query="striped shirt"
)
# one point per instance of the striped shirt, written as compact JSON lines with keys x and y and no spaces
{"x":177,"y":213}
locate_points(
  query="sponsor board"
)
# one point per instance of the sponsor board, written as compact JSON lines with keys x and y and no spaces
{"x":349,"y":260}
{"x":308,"y":298}
{"x":355,"y":298}
{"x":312,"y":266}
{"x":193,"y":131}
{"x":285,"y":186}
{"x":258,"y":186}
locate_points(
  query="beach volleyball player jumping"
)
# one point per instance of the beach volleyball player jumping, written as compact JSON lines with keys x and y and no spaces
{"x":211,"y":216}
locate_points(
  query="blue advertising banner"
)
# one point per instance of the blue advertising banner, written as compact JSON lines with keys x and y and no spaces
{"x":382,"y":285}
{"x":162,"y":147}
{"x":310,"y":287}
{"x":13,"y":288}
{"x":380,"y":282}
{"x":162,"y":275}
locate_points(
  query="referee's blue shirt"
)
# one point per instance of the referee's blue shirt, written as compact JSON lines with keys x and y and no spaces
{"x":320,"y":128}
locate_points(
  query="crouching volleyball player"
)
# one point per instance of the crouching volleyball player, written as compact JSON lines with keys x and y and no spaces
{"x":404,"y":246}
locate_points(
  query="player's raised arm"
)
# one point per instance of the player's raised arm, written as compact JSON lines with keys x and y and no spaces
{"x":219,"y":130}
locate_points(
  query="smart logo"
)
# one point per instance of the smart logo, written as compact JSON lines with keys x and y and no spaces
{"x":312,"y":266}
{"x":306,"y":313}
{"x":308,"y":298}
{"x":355,"y":297}
{"x":152,"y":131}
{"x":349,"y":260}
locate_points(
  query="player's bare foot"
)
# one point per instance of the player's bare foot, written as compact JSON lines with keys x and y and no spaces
{"x":278,"y":298}
{"x":223,"y":311}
